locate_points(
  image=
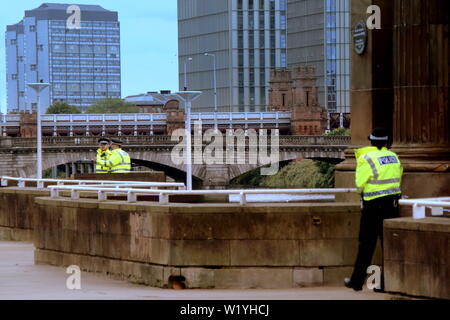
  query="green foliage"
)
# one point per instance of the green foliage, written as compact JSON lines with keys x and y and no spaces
{"x":62,"y":108}
{"x":338,"y":132}
{"x":299,"y":174}
{"x":112,"y":105}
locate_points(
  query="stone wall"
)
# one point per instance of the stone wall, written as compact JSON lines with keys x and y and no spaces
{"x":16,"y":213}
{"x":417,"y":257}
{"x":209,"y":245}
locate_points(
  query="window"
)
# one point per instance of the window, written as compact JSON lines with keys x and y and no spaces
{"x":14,"y":76}
{"x":34,"y":106}
{"x":21,"y":94}
{"x":13,"y":41}
{"x":40,"y":47}
{"x":33,"y":28}
{"x":261,"y":4}
{"x":33,"y":67}
{"x":19,"y":59}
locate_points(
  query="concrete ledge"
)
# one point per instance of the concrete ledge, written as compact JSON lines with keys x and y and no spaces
{"x":15,"y":234}
{"x":417,"y":257}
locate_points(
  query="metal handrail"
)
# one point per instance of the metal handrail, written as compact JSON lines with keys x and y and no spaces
{"x":60,"y":182}
{"x":164,"y":194}
{"x":437,"y":206}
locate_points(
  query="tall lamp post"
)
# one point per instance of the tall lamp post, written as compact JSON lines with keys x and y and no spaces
{"x":38,"y":87}
{"x":188,"y":97}
{"x":185,"y":72}
{"x":216,"y":127}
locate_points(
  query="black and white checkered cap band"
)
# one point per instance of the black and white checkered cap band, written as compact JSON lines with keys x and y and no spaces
{"x":372,"y":137}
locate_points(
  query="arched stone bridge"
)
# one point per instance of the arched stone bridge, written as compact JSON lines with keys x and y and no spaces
{"x":18,"y":155}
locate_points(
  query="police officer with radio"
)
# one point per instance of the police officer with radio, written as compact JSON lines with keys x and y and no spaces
{"x":378,"y":180}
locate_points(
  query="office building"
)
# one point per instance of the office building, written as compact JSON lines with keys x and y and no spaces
{"x":248,"y":39}
{"x":80,"y":60}
{"x":319,"y":35}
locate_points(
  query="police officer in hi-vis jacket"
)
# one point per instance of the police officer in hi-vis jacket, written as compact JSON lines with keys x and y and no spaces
{"x":378,"y":180}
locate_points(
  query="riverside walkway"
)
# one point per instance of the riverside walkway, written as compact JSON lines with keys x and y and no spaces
{"x":21,"y":279}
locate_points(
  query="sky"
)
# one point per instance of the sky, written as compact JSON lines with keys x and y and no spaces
{"x":149,"y":42}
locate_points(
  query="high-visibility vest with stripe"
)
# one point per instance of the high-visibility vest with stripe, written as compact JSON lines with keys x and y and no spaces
{"x":378,"y":173}
{"x":102,"y":156}
{"x":118,"y":162}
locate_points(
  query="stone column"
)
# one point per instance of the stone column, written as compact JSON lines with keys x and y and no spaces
{"x":420,"y":81}
{"x":401,"y":83}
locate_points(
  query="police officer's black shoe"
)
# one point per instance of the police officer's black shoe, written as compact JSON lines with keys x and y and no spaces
{"x":348,"y":284}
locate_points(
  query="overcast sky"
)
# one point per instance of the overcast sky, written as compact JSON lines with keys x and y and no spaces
{"x":149,"y":41}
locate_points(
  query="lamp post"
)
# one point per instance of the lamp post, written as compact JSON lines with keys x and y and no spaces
{"x":188,"y":97}
{"x":216,"y":127}
{"x":185,"y":72}
{"x":38,"y":87}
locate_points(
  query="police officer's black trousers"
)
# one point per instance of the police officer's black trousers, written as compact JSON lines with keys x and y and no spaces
{"x":371,"y":228}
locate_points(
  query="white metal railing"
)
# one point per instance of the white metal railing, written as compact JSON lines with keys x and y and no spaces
{"x":163,"y":195}
{"x":437,"y":206}
{"x":40,"y":183}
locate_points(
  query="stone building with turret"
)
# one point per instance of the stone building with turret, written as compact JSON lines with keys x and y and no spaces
{"x":295,"y":90}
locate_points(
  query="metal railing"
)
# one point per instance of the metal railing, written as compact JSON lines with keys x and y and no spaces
{"x":40,"y":183}
{"x":158,"y":140}
{"x":163,"y":195}
{"x":436,"y":205}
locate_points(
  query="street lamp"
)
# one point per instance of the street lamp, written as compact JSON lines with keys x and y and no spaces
{"x":188,"y":97}
{"x":185,"y":72}
{"x":216,"y":127}
{"x":38,"y":87}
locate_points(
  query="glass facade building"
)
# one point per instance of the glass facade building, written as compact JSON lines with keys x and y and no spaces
{"x":248,"y":38}
{"x":82,"y":64}
{"x":319,"y":35}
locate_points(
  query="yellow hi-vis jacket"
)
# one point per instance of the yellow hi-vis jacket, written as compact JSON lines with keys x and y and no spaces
{"x":102,"y":155}
{"x":378,"y":173}
{"x":118,"y":162}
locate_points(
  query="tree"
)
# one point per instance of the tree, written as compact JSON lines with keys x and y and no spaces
{"x":59,"y":107}
{"x":112,"y":105}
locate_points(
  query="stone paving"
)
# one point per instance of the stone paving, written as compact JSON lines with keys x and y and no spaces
{"x":21,"y":279}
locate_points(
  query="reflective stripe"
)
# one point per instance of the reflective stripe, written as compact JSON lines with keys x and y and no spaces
{"x":127,"y":170}
{"x":382,"y":192}
{"x":372,"y":165}
{"x":386,"y":181}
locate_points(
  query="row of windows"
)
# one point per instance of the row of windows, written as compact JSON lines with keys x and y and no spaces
{"x":83,"y":62}
{"x":86,"y":86}
{"x":85,"y":70}
{"x":85,"y":39}
{"x":82,"y":32}
{"x":253,"y":4}
{"x":77,"y":77}
{"x":84,"y":24}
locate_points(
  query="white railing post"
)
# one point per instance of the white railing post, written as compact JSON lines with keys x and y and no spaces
{"x":101,"y":196}
{"x":131,"y":196}
{"x":54,"y":193}
{"x":242,"y":199}
{"x":163,"y":198}
{"x":21,"y":183}
{"x":74,"y":194}
{"x":418,"y":211}
{"x":40,"y":185}
{"x":4,"y":182}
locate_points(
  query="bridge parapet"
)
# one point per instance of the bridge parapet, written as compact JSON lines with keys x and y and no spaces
{"x":8,"y":142}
